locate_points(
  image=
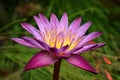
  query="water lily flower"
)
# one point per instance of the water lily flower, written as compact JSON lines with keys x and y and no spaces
{"x":57,"y":40}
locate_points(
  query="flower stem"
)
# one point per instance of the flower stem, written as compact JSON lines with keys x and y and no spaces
{"x":57,"y":70}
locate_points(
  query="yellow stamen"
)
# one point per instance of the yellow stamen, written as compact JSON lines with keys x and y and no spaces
{"x":59,"y":39}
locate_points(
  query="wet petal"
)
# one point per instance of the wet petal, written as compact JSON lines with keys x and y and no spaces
{"x":80,"y":62}
{"x":32,"y":30}
{"x":40,"y":59}
{"x":23,"y":42}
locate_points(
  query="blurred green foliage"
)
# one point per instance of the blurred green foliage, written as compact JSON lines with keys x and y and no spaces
{"x":104,"y":14}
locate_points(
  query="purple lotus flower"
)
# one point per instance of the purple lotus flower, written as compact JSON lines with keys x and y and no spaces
{"x":58,"y":40}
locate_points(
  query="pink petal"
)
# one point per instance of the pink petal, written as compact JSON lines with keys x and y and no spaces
{"x":23,"y":42}
{"x":63,"y":22}
{"x":83,"y":41}
{"x":89,"y":37}
{"x":57,"y":52}
{"x":44,"y":45}
{"x":83,"y":29}
{"x":100,"y":45}
{"x":33,"y":41}
{"x":54,"y":22}
{"x":39,"y":23}
{"x":64,"y":48}
{"x":32,"y":30}
{"x":80,"y":62}
{"x":44,"y":21}
{"x":85,"y":48}
{"x":75,"y":25}
{"x":54,"y":51}
{"x":40,"y":59}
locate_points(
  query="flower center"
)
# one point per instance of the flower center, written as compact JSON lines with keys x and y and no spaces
{"x":57,"y":39}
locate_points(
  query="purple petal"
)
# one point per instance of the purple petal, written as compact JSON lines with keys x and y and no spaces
{"x":82,"y":49}
{"x":85,"y":48}
{"x":64,"y":48}
{"x":89,"y":37}
{"x":44,"y":45}
{"x":83,"y":29}
{"x":57,"y":52}
{"x":54,"y":22}
{"x":54,"y":51}
{"x":39,"y":23}
{"x":32,"y":41}
{"x":40,"y":59}
{"x":23,"y":42}
{"x":98,"y":45}
{"x":80,"y":62}
{"x":44,"y":21}
{"x":32,"y":30}
{"x":75,"y":24}
{"x":63,"y":22}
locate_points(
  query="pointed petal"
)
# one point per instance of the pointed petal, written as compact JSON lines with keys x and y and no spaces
{"x":97,"y":46}
{"x":40,"y":59}
{"x":39,"y":23}
{"x":64,"y":48}
{"x":89,"y":37}
{"x":44,"y":45}
{"x":80,"y":62}
{"x":23,"y":42}
{"x":100,"y":45}
{"x":33,"y":41}
{"x":32,"y":30}
{"x":85,"y":48}
{"x":63,"y":22}
{"x":83,"y":29}
{"x":54,"y":22}
{"x":75,"y":25}
{"x":44,"y":21}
